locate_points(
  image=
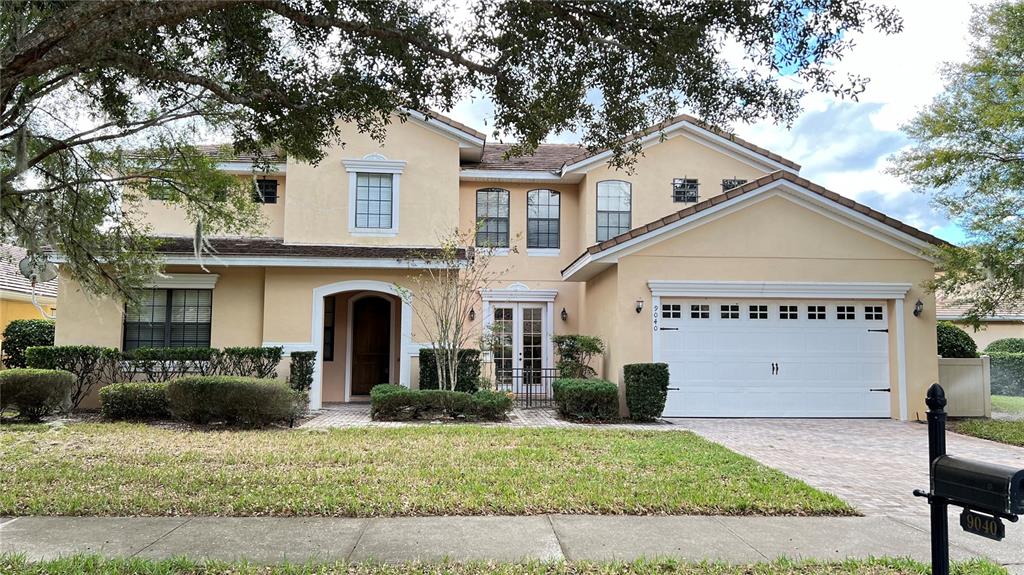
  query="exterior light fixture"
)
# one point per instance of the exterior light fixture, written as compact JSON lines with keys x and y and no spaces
{"x":639,"y":305}
{"x":918,"y":308}
{"x":472,"y":314}
{"x":565,"y":315}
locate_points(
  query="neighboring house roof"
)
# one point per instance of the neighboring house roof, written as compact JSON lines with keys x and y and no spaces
{"x":946,"y":309}
{"x":257,"y":249}
{"x":223,"y":152}
{"x":11,"y":279}
{"x":547,"y":157}
{"x":660,"y":225}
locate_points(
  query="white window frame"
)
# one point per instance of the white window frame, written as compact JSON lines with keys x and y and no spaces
{"x":374,"y":164}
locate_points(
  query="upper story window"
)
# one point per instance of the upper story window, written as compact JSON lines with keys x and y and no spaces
{"x":373,"y":195}
{"x":614,"y":207}
{"x":685,"y":190}
{"x":543,"y":209}
{"x":265,"y":192}
{"x":492,"y":218}
{"x":730,"y":184}
{"x":169,"y":318}
{"x":374,"y":201}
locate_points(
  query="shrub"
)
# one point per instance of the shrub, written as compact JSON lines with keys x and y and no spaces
{"x":646,"y":390}
{"x":586,"y":399}
{"x":1007,"y":372}
{"x":35,"y":392}
{"x":575,"y":353}
{"x":467,"y":374}
{"x":22,"y":334}
{"x":161,"y":364}
{"x":258,"y":362}
{"x":134,"y":401}
{"x":234,"y":400}
{"x":389,"y":402}
{"x":90,"y":365}
{"x":1005,"y":345}
{"x":955,"y":342}
{"x":300,"y":372}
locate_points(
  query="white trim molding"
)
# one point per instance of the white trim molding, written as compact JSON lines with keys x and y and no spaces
{"x":303,"y":262}
{"x":183,"y":281}
{"x":523,"y":176}
{"x":797,"y":290}
{"x":543,"y":252}
{"x":316,"y":392}
{"x":374,"y":164}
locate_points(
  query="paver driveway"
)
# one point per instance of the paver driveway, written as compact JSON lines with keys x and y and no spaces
{"x":873,"y":464}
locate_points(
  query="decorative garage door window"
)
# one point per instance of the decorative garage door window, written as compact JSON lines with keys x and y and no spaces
{"x":758,"y":312}
{"x":700,"y":311}
{"x":846,"y":312}
{"x":731,"y":311}
{"x":816,"y":312}
{"x":789,"y":312}
{"x":873,"y":312}
{"x":672,"y":311}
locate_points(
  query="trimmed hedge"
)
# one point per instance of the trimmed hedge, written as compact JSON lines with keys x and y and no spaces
{"x":390,"y":402}
{"x":134,"y":401}
{"x":300,"y":371}
{"x":586,"y":399}
{"x":954,"y":342}
{"x":1007,"y":372}
{"x":233,"y":400}
{"x":467,"y":373}
{"x":22,"y":334}
{"x":35,"y":393}
{"x":1005,"y":345}
{"x":646,"y":390}
{"x":91,"y":365}
{"x":574,"y":354}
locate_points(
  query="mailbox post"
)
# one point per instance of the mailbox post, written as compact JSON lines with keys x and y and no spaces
{"x":986,"y":492}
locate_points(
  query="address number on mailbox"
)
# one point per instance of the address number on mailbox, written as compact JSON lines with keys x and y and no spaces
{"x":984,"y":525}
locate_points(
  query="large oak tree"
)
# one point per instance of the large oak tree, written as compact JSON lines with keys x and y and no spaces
{"x":94,"y":95}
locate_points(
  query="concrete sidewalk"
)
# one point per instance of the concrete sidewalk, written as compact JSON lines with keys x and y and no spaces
{"x":544,"y":537}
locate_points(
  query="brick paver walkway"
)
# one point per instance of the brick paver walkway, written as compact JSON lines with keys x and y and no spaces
{"x":873,"y":464}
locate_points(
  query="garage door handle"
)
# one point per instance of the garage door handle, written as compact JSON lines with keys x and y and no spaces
{"x":669,"y":329}
{"x":885,"y":389}
{"x":879,"y":330}
{"x":672,"y":388}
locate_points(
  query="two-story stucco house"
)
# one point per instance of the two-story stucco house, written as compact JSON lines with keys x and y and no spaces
{"x":766,"y":294}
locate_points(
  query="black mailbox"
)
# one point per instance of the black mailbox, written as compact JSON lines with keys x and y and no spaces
{"x":996,"y":489}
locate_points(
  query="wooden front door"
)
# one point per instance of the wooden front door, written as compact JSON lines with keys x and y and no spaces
{"x":371,"y":343}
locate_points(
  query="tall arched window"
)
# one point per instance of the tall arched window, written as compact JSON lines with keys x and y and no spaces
{"x":543,"y":209}
{"x":614,"y":204}
{"x":492,"y":218}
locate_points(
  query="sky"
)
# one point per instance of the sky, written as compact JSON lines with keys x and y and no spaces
{"x":845,"y":145}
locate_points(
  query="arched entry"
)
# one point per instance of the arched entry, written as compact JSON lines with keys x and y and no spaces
{"x":404,"y":323}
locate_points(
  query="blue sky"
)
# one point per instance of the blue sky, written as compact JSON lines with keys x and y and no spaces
{"x":844,"y":145}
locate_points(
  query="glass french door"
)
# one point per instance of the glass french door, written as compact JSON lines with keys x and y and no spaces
{"x":517,"y":342}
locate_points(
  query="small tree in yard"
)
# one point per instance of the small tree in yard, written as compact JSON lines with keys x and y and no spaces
{"x":443,"y":295}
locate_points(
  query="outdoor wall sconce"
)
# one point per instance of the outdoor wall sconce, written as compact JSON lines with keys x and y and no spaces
{"x":639,"y":305}
{"x":565,"y":315}
{"x":918,"y":308}
{"x":472,"y":314}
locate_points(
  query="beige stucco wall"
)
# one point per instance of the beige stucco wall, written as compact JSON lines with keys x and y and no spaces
{"x":992,"y":330}
{"x":428,"y":188}
{"x":651,"y":179}
{"x":775,"y":240}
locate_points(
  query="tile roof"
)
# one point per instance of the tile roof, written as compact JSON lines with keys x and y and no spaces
{"x":275,"y":247}
{"x":218,"y":151}
{"x":547,"y":157}
{"x":454,"y":124}
{"x":947,"y":308}
{"x":700,"y":124}
{"x":747,"y":188}
{"x":11,"y":279}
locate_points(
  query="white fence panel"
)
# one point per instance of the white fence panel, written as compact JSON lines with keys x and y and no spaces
{"x":968,"y":386}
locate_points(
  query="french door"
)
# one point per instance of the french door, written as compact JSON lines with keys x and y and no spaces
{"x":517,"y":342}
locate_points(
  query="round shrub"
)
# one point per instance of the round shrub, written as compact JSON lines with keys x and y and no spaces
{"x":1007,"y":371}
{"x":586,"y":399}
{"x":233,"y":400}
{"x":22,"y":334}
{"x":955,"y":342}
{"x":646,"y":390}
{"x":1005,"y":345}
{"x":134,"y":401}
{"x":35,"y":393}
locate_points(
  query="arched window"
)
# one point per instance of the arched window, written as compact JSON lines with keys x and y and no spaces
{"x":492,"y":218}
{"x":614,"y":205}
{"x":543,"y":209}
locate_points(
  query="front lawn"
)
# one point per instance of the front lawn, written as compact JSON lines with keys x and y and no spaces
{"x":92,"y":565}
{"x":1001,"y":430}
{"x":1008,"y":404}
{"x":134,"y":469}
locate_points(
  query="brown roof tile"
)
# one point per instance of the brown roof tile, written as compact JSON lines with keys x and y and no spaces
{"x":547,"y":158}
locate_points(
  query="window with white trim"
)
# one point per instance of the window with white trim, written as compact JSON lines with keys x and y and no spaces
{"x":492,"y":218}
{"x":672,"y":311}
{"x":846,"y":312}
{"x":685,"y":190}
{"x":614,"y":208}
{"x":788,"y":312}
{"x":816,"y":312}
{"x":373,"y":200}
{"x":265,"y":191}
{"x":168,"y":318}
{"x":700,"y":311}
{"x":543,"y":210}
{"x":873,"y":312}
{"x":758,"y":312}
{"x":730,"y":311}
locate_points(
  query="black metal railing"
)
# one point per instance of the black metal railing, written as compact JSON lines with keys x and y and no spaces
{"x":532,"y":387}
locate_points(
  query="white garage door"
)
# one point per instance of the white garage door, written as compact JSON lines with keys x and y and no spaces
{"x":775,"y":358}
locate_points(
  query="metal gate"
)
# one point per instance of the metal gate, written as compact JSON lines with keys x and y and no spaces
{"x":531,"y":386}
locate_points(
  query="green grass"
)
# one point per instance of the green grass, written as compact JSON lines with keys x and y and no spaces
{"x":134,"y":469}
{"x":93,"y":565}
{"x":1008,"y":404}
{"x":1003,"y":431}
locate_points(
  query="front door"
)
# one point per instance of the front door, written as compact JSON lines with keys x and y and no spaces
{"x":371,"y":343}
{"x":517,"y":333}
